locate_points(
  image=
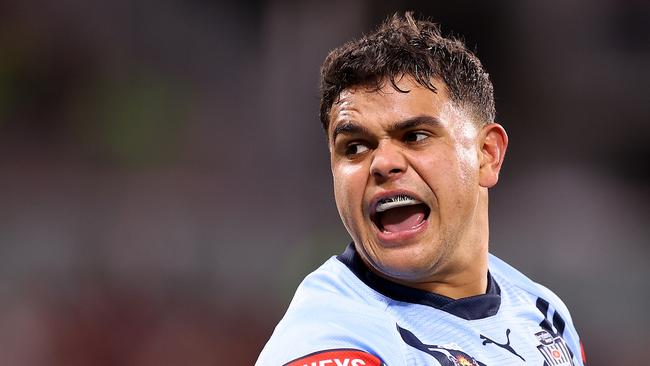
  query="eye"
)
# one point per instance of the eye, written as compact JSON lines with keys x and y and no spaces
{"x":355,"y":148}
{"x":415,"y":136}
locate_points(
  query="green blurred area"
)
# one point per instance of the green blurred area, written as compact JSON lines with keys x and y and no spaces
{"x":133,"y":122}
{"x":63,"y":89}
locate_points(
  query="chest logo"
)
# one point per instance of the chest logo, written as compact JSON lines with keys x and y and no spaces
{"x":505,"y":346}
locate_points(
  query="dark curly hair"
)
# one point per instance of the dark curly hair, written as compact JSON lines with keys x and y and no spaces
{"x":405,"y":46}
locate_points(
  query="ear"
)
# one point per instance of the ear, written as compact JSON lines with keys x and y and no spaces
{"x":493,"y":142}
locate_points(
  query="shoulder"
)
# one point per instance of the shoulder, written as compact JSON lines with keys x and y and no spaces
{"x":506,"y":274}
{"x":554,"y":311}
{"x":331,"y":315}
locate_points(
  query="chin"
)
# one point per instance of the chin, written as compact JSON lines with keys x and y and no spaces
{"x":404,"y":266}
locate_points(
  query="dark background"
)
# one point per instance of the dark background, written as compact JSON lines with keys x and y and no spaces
{"x":165,"y":185}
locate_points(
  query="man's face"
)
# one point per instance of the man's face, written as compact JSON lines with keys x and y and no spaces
{"x":406,"y":178}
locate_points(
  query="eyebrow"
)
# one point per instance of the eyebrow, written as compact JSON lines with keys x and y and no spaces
{"x":351,"y":128}
{"x":413,"y":122}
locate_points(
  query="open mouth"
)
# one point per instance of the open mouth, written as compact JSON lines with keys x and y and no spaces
{"x":399,"y":213}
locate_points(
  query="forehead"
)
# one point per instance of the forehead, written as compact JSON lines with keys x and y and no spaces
{"x":363,"y":104}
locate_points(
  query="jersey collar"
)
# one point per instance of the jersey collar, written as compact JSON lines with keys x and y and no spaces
{"x":469,"y":308}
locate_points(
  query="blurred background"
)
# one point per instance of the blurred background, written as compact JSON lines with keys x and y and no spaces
{"x":165,"y":185}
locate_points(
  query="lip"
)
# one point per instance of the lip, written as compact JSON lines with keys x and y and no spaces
{"x":394,"y":239}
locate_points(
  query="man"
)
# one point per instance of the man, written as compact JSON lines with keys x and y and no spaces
{"x":409,"y":117}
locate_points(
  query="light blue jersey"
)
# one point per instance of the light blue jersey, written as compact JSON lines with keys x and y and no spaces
{"x":344,"y":315}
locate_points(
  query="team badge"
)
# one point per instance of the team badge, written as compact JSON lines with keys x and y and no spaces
{"x":553,"y":349}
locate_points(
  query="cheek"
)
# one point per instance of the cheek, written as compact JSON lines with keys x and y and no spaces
{"x":349,"y":188}
{"x":467,"y":154}
{"x":439,"y":173}
{"x":468,"y":165}
{"x":450,"y":175}
{"x":465,"y":158}
{"x":349,"y":185}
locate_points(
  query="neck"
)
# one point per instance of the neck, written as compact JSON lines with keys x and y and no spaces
{"x":460,"y":285}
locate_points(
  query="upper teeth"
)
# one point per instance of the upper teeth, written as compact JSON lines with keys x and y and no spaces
{"x":397,"y":201}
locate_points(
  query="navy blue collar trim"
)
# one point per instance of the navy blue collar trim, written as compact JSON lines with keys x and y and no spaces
{"x":468,"y":308}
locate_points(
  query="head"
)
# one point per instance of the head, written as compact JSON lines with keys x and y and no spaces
{"x":409,"y":117}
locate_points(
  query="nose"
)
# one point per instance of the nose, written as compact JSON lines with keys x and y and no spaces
{"x":388,"y":162}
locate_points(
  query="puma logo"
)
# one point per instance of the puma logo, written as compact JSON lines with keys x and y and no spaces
{"x":505,"y":346}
